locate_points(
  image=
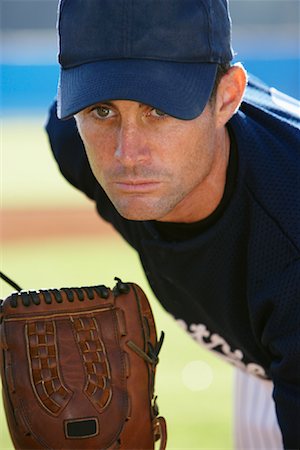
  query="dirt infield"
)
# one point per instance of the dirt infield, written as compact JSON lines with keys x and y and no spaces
{"x":26,"y":224}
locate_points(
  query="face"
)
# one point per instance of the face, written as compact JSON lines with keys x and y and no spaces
{"x":152,"y":166}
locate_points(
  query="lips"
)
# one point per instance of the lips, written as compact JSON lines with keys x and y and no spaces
{"x":135,"y":186}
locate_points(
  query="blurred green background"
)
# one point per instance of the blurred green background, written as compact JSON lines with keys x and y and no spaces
{"x":194,"y":387}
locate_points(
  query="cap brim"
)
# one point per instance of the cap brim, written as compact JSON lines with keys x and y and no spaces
{"x":179,"y":89}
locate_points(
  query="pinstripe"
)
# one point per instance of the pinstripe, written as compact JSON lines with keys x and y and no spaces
{"x":255,"y":422}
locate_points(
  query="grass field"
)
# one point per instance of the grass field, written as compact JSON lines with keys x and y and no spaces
{"x":194,"y":387}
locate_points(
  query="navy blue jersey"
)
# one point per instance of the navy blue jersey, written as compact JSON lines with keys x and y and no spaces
{"x":234,"y":284}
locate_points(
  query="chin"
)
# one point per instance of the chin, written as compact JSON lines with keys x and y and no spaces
{"x":142,"y":208}
{"x":136,"y":215}
{"x":140,"y":213}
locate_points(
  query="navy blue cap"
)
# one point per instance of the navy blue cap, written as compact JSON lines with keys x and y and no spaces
{"x":163,"y":53}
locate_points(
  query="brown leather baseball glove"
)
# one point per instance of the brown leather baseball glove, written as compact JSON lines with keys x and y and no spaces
{"x":78,"y":368}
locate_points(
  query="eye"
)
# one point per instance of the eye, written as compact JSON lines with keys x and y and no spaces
{"x":158,"y":113}
{"x":102,"y":111}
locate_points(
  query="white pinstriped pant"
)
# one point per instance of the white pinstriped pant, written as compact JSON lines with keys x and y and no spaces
{"x":255,"y":422}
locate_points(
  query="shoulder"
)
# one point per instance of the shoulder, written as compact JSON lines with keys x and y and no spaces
{"x":267,"y":133}
{"x":279,"y":106}
{"x":267,"y":126}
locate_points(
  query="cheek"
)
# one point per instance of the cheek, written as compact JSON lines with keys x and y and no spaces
{"x":195,"y":157}
{"x":99,"y":148}
{"x":191,"y":147}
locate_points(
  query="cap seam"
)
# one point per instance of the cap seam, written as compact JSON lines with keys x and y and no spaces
{"x":129,"y":24}
{"x":125,"y":28}
{"x":210,"y":28}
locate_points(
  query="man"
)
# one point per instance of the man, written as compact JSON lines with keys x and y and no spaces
{"x":200,"y":176}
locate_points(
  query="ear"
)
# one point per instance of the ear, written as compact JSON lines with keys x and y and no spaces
{"x":230,"y":93}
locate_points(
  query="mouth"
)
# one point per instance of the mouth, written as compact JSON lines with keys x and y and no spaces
{"x":136,"y":186}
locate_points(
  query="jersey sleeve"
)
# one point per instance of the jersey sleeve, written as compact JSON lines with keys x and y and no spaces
{"x":68,"y":150}
{"x":276,"y":321}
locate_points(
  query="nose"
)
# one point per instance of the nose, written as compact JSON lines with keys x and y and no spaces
{"x":132,"y":148}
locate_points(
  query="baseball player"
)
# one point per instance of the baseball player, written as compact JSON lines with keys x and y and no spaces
{"x":198,"y":169}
